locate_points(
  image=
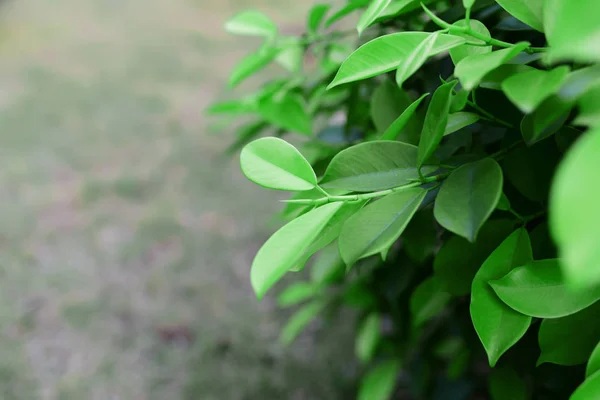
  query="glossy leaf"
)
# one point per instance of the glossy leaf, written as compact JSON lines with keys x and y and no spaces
{"x":528,"y":11}
{"x":379,"y":383}
{"x":328,"y":266}
{"x":589,"y":389}
{"x":548,"y":118}
{"x":296,"y":293}
{"x":468,"y":197}
{"x":427,"y":301}
{"x":416,"y":58}
{"x":282,"y":250}
{"x":396,"y":128}
{"x":471,"y":70}
{"x":572,"y":29}
{"x":387,"y":103}
{"x":316,"y":16}
{"x":574,"y":212}
{"x":251,"y":64}
{"x":276,"y":164}
{"x":570,"y":340}
{"x":372,"y":166}
{"x":435,"y":121}
{"x":506,"y":384}
{"x":299,"y":321}
{"x":498,"y":326}
{"x":538,"y":289}
{"x":378,"y":225}
{"x":373,"y":11}
{"x":493,"y":79}
{"x":251,"y":23}
{"x":368,"y":337}
{"x":473,"y":46}
{"x":528,"y":89}
{"x":288,"y":111}
{"x":593,"y":364}
{"x":386,"y":53}
{"x":459,"y":120}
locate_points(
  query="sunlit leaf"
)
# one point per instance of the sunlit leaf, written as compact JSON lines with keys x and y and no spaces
{"x":251,"y":64}
{"x":588,"y":389}
{"x":373,"y":11}
{"x":528,"y":11}
{"x":287,"y":111}
{"x":474,"y":46}
{"x":296,"y":293}
{"x":251,"y":23}
{"x":528,"y":89}
{"x":349,"y":8}
{"x":416,"y":58}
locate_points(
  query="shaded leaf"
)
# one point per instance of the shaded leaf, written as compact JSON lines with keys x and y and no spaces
{"x":287,"y":111}
{"x":368,"y":337}
{"x":328,"y":267}
{"x":427,"y":301}
{"x":528,"y":89}
{"x":347,"y":9}
{"x":395,"y":129}
{"x":593,"y":364}
{"x":459,"y":120}
{"x":299,"y":321}
{"x":468,"y":49}
{"x":545,"y":120}
{"x":493,"y":79}
{"x":373,"y":11}
{"x":528,"y":11}
{"x":588,"y":389}
{"x":315,"y":17}
{"x":291,"y":56}
{"x":296,"y":293}
{"x":379,"y":383}
{"x":579,"y":82}
{"x":251,"y":23}
{"x":387,"y":103}
{"x":420,"y":238}
{"x":416,"y":58}
{"x":251,"y":64}
{"x":505,"y":384}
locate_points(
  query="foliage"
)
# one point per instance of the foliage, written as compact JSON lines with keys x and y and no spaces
{"x":455,"y":204}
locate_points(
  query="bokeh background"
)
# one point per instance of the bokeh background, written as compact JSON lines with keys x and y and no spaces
{"x":126,"y":237}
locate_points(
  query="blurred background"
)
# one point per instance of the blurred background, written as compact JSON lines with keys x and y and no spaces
{"x":126,"y":235}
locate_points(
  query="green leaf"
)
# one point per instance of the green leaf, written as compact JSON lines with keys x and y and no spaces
{"x":373,"y":11}
{"x":458,"y":260}
{"x":473,"y":46}
{"x":572,"y":30}
{"x":538,"y":289}
{"x":373,"y":166}
{"x":387,"y":102}
{"x":468,"y":3}
{"x":328,"y":266}
{"x":296,"y":293}
{"x":368,"y":337}
{"x":589,"y":108}
{"x":386,"y":53}
{"x":548,"y":118}
{"x":291,"y":56}
{"x":459,"y":101}
{"x":274,"y":163}
{"x":505,"y":384}
{"x":579,"y":82}
{"x":287,"y":111}
{"x":316,"y":16}
{"x":528,"y":89}
{"x":299,"y":321}
{"x":435,"y":121}
{"x":251,"y":64}
{"x":416,"y":58}
{"x":251,"y":23}
{"x":471,"y":70}
{"x":498,"y":326}
{"x":234,"y":107}
{"x":378,"y":225}
{"x":574,"y":211}
{"x":282,"y":250}
{"x":380,"y":382}
{"x":427,"y":301}
{"x":347,"y":9}
{"x":420,"y":238}
{"x":468,"y":197}
{"x":493,"y":79}
{"x":459,"y":120}
{"x":589,"y":389}
{"x":593,"y":364}
{"x":527,"y":11}
{"x":395,"y":129}
{"x":570,"y":340}
{"x":504,"y":203}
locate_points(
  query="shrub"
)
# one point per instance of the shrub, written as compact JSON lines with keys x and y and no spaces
{"x":446,"y":186}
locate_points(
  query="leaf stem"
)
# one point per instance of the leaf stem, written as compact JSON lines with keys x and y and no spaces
{"x":489,"y":116}
{"x":500,"y":154}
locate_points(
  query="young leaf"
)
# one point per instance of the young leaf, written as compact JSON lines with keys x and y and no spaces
{"x":386,"y":53}
{"x":473,"y":46}
{"x":470,"y":70}
{"x":299,"y":321}
{"x":468,"y":197}
{"x":538,"y":289}
{"x":296,"y":293}
{"x":459,"y":120}
{"x":493,"y":79}
{"x":372,"y":166}
{"x":415,"y":59}
{"x":589,"y":389}
{"x":427,"y":301}
{"x":368,"y":337}
{"x":251,"y":64}
{"x":505,"y":384}
{"x":528,"y":89}
{"x":274,"y":163}
{"x":251,"y":23}
{"x":572,"y":30}
{"x":380,"y":382}
{"x":435,"y":121}
{"x":347,"y":9}
{"x":548,"y":118}
{"x":593,"y":364}
{"x":528,"y":11}
{"x":316,"y":16}
{"x":378,"y":225}
{"x":375,"y":8}
{"x":574,"y":211}
{"x":282,"y":250}
{"x":287,"y":111}
{"x":570,"y":340}
{"x":498,"y":326}
{"x":395,"y":129}
{"x":458,"y":260}
{"x":328,"y":266}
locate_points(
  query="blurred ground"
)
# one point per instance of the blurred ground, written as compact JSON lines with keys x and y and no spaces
{"x":125,"y":239}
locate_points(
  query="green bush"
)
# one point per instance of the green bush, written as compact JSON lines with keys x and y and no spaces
{"x":446,"y":186}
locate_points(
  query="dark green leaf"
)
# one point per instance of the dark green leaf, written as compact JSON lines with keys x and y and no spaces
{"x":379,"y":383}
{"x":328,"y":266}
{"x":316,"y":16}
{"x":387,"y":102}
{"x":528,"y":11}
{"x":373,"y":11}
{"x":427,"y":301}
{"x":499,"y":327}
{"x":435,"y":121}
{"x":459,"y":120}
{"x":574,"y":211}
{"x":420,"y":238}
{"x":372,"y":166}
{"x":296,"y":293}
{"x":368,"y":337}
{"x":471,"y":70}
{"x":287,"y":111}
{"x":589,"y":108}
{"x":299,"y":321}
{"x":251,"y":64}
{"x":505,"y":384}
{"x":386,"y":53}
{"x":459,"y":101}
{"x":415,"y":58}
{"x":545,"y":120}
{"x":539,"y":290}
{"x":493,"y":79}
{"x":473,"y":46}
{"x":593,"y":364}
{"x":274,"y":163}
{"x":377,"y":226}
{"x":504,"y":203}
{"x":528,"y":89}
{"x":589,"y":389}
{"x":395,"y":129}
{"x":251,"y":23}
{"x":468,"y":197}
{"x":565,"y":137}
{"x":570,"y":340}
